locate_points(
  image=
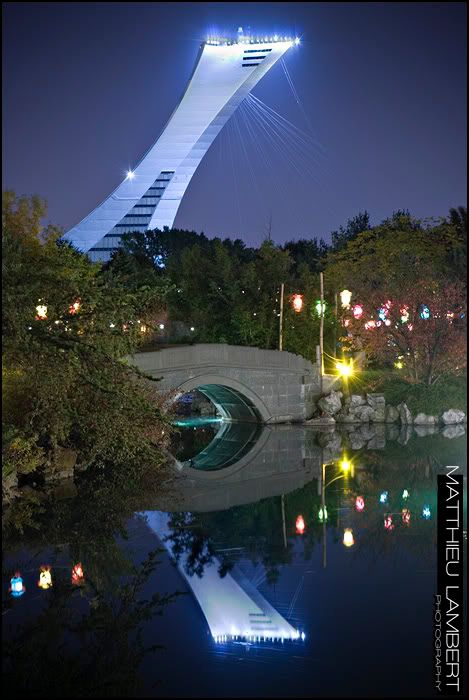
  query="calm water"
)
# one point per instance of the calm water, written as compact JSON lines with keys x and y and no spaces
{"x":230,"y":541}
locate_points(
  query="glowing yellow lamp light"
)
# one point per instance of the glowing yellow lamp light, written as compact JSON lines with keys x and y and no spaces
{"x":297,"y":302}
{"x":348,"y":537}
{"x":78,"y":577}
{"x":344,"y":369}
{"x":300,"y":525}
{"x":398,"y":365}
{"x":345,"y":297}
{"x":45,"y":578}
{"x":345,"y":465}
{"x":41,"y":312}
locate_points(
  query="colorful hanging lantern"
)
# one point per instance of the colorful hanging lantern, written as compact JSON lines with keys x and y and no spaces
{"x":345,"y":297}
{"x":388,"y":523}
{"x":17,"y":587}
{"x":45,"y":578}
{"x":320,"y":308}
{"x":348,"y":537}
{"x":405,"y":494}
{"x":383,"y":497}
{"x":382,"y":313}
{"x":357,"y":311}
{"x":424,"y":312}
{"x":359,"y":504}
{"x":404,"y":314}
{"x":41,"y":312}
{"x":74,"y":308}
{"x":297,"y":302}
{"x":78,"y":577}
{"x":406,"y":516}
{"x":426,"y":512}
{"x":370,"y":324}
{"x":300,"y":525}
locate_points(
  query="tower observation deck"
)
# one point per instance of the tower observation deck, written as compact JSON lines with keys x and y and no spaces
{"x":224,"y":74}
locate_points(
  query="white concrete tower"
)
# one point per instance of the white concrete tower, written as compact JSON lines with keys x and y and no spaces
{"x":224,"y":74}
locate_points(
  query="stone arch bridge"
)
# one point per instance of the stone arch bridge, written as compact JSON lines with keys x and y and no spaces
{"x":245,"y":384}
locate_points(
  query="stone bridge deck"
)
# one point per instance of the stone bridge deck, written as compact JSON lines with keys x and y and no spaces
{"x":244,"y":383}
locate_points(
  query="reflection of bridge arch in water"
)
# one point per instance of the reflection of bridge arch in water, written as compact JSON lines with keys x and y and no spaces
{"x":233,"y":607}
{"x":280,"y":459}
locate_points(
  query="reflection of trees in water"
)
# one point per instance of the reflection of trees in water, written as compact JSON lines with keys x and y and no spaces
{"x":253,"y":531}
{"x":84,"y":643}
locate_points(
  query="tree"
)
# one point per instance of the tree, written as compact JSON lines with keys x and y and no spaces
{"x":422,"y":327}
{"x":67,"y":328}
{"x":355,"y":225}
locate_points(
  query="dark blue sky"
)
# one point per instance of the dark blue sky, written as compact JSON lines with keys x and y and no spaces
{"x":89,"y":86}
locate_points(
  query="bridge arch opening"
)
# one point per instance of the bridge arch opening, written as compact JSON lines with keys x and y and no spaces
{"x":234,"y":401}
{"x":241,"y":415}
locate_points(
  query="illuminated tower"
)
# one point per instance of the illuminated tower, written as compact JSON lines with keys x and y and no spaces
{"x":149,"y":197}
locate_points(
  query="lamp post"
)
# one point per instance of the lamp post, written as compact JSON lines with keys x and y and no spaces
{"x":280,"y":336}
{"x":321,"y":333}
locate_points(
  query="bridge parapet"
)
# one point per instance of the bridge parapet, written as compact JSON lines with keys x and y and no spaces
{"x":281,"y":386}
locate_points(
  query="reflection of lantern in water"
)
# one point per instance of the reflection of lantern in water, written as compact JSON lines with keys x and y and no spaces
{"x":426,"y":512}
{"x":388,"y":523}
{"x":45,"y":578}
{"x":16,"y":585}
{"x":357,"y":311}
{"x":406,"y":516}
{"x":383,"y":498}
{"x":300,"y":525}
{"x":78,"y":577}
{"x":348,"y":537}
{"x":322,"y":514}
{"x":405,"y":494}
{"x":297,"y":302}
{"x":360,"y":504}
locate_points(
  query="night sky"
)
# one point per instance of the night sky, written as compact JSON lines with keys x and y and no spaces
{"x":382,"y":86}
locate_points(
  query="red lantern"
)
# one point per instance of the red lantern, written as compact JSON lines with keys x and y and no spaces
{"x":300,"y":525}
{"x":357,"y":311}
{"x":78,"y":577}
{"x":360,"y":504}
{"x":297,"y":302}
